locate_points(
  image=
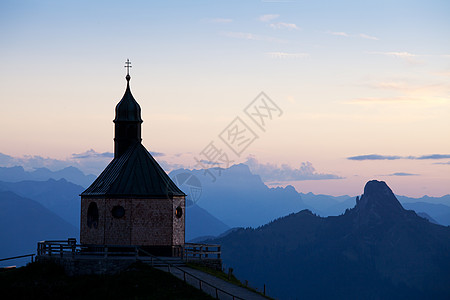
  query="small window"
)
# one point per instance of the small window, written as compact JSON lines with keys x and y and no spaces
{"x":118,"y":211}
{"x":92,"y":215}
{"x":179,"y":212}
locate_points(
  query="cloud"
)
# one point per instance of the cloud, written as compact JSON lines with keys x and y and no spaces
{"x":286,"y":55}
{"x":31,"y":162}
{"x":251,"y":36}
{"x":374,"y":157}
{"x":156,"y":154}
{"x":92,"y":154}
{"x":434,"y":156}
{"x":437,"y":92}
{"x":402,"y":174}
{"x":219,"y":20}
{"x":442,"y":163}
{"x":368,"y":37}
{"x":272,"y":172}
{"x":348,"y":35}
{"x":267,"y":18}
{"x":338,"y":33}
{"x":210,"y":162}
{"x":89,"y":162}
{"x":395,"y":157}
{"x":281,"y":25}
{"x":383,"y":99}
{"x":403,"y":55}
{"x":241,"y":35}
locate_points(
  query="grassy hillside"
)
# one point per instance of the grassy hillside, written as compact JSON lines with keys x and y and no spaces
{"x":48,"y":281}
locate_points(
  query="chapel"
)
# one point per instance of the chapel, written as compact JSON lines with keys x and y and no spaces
{"x":133,"y":202}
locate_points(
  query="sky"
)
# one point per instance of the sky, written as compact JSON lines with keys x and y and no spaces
{"x":352,"y":90}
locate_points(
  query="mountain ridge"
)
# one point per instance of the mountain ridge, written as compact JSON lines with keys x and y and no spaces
{"x":375,"y":250}
{"x":29,"y":222}
{"x":72,"y":174}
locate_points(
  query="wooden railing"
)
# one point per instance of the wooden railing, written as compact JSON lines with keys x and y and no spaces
{"x":20,"y":256}
{"x":57,"y":247}
{"x":201,"y":282}
{"x":196,"y":251}
{"x":191,"y":251}
{"x":70,"y":247}
{"x":201,"y":251}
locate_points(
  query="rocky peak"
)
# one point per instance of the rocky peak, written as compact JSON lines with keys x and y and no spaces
{"x":378,"y":204}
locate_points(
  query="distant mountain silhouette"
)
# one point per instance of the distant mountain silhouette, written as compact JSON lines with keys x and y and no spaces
{"x":426,"y":199}
{"x":62,"y":198}
{"x":199,"y":223}
{"x":24,"y":222}
{"x":377,"y":250}
{"x":427,"y":216}
{"x":72,"y":174}
{"x":326,"y":205}
{"x":439,"y":212}
{"x":59,"y":196}
{"x":240,"y":198}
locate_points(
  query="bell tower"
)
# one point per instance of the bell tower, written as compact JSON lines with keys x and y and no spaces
{"x":133,"y":202}
{"x":127,"y":123}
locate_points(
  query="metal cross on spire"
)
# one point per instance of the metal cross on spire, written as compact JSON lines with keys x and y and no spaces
{"x":128,"y":66}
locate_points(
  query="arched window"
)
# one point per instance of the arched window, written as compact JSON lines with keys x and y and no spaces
{"x":92,"y":215}
{"x":179,"y":212}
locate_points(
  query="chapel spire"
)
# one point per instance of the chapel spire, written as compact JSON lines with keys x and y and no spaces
{"x":127,"y":121}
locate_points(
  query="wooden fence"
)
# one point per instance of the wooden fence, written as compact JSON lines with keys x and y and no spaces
{"x":201,"y":251}
{"x":191,"y":251}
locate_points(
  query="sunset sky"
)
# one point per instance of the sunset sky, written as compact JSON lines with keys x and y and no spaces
{"x":362,"y":87}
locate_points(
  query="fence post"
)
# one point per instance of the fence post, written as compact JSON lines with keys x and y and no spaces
{"x":264,"y":289}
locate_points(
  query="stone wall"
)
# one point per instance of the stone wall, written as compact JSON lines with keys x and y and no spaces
{"x":93,"y":234}
{"x":178,"y":223}
{"x":118,"y":230}
{"x":146,"y":222}
{"x":152,"y":222}
{"x":82,"y":266}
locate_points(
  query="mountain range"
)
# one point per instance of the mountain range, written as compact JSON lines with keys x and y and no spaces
{"x":59,"y":196}
{"x":24,"y":222}
{"x":376,"y":250}
{"x":72,"y":174}
{"x":241,"y":199}
{"x":237,"y":198}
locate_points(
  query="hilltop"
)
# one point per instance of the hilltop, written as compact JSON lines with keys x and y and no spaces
{"x":48,"y":281}
{"x":375,"y":250}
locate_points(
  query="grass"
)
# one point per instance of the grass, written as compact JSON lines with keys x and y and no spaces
{"x":222,"y":275}
{"x":48,"y":281}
